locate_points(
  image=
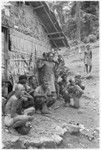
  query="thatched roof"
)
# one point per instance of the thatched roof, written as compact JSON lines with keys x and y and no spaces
{"x":50,"y":24}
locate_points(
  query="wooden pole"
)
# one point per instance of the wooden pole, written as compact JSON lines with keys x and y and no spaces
{"x":6,"y":52}
{"x":78,"y":24}
{"x":35,"y":66}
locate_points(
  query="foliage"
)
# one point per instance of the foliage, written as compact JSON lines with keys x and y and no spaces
{"x":70,"y":29}
{"x":65,"y":12}
{"x":90,"y":7}
{"x":90,"y":39}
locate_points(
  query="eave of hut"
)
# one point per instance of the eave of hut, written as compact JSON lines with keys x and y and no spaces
{"x":50,"y":24}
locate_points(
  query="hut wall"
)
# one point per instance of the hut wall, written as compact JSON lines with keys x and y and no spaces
{"x":27,"y":38}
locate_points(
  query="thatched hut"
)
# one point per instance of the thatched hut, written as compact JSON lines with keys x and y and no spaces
{"x":28,"y":30}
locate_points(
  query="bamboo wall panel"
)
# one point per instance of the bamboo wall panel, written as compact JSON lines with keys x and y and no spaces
{"x":27,"y":36}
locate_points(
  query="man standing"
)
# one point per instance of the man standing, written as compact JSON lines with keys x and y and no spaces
{"x":47,"y":73}
{"x":88,"y":59}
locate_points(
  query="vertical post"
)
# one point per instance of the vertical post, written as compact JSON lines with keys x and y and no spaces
{"x":35,"y":56}
{"x":6,"y":52}
{"x":35,"y":66}
{"x":78,"y":24}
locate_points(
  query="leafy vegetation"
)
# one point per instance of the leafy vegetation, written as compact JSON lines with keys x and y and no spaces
{"x":66,"y":13}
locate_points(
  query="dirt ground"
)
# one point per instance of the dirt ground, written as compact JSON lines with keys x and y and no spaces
{"x":88,"y":114}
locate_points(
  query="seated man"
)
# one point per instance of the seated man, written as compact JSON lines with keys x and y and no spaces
{"x":78,"y":81}
{"x":4,"y":101}
{"x":29,"y":99}
{"x":6,"y":89}
{"x":40,"y":95}
{"x":63,"y":89}
{"x":12,"y":117}
{"x":4,"y":96}
{"x":75,"y":92}
{"x":45,"y":55}
{"x":60,"y":60}
{"x":33,"y":83}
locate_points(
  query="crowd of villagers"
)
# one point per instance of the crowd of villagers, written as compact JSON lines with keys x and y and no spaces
{"x":39,"y":94}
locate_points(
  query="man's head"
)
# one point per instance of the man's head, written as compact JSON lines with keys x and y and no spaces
{"x":60,"y":59}
{"x":19,"y":90}
{"x":52,"y":51}
{"x":45,"y":86}
{"x":78,"y":76}
{"x":23,"y":79}
{"x":30,"y":79}
{"x":72,"y":81}
{"x":51,"y":55}
{"x":33,"y":81}
{"x":44,"y":55}
{"x":3,"y":83}
{"x":88,"y":47}
{"x":59,"y":56}
{"x":78,"y":79}
{"x":64,"y":77}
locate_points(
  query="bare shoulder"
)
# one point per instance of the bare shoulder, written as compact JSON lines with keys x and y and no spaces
{"x":13,"y":98}
{"x":38,"y":88}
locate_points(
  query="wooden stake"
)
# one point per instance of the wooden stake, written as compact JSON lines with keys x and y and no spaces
{"x":78,"y":24}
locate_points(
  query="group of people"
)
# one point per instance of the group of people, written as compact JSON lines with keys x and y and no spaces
{"x":36,"y":95}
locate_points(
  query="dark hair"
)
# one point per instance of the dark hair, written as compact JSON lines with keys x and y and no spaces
{"x":23,"y":130}
{"x":9,"y":85}
{"x":78,"y":76}
{"x":44,"y":54}
{"x":22,"y":77}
